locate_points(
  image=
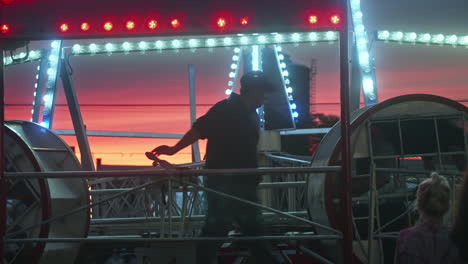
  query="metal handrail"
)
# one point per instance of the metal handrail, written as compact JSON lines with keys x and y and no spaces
{"x":160,"y":173}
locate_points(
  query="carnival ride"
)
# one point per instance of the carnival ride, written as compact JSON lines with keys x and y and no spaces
{"x":359,"y":166}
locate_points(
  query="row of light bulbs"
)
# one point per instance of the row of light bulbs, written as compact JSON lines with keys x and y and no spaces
{"x":240,"y":40}
{"x":413,"y":37}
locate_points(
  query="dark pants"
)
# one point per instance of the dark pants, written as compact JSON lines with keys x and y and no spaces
{"x":223,"y":212}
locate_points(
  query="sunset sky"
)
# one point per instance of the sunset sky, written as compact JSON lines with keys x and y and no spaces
{"x":149,"y":92}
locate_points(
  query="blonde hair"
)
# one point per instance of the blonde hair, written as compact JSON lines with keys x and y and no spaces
{"x":433,"y":196}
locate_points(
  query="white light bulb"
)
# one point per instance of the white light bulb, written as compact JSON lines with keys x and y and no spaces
{"x":126,"y":46}
{"x":262,"y":39}
{"x":355,"y":4}
{"x":228,"y":91}
{"x":231,"y":83}
{"x":235,"y":58}
{"x":412,"y":36}
{"x":55,"y":44}
{"x":47,"y":98}
{"x":227,"y":41}
{"x":32,"y":110}
{"x":293,"y":106}
{"x":193,"y":43}
{"x":313,"y":36}
{"x":283,"y":65}
{"x":244,"y":40}
{"x":362,"y":43}
{"x":279,"y":48}
{"x":426,"y":37}
{"x":398,"y":36}
{"x":93,"y":47}
{"x":176,"y":43}
{"x":143,"y":45}
{"x":76,"y":48}
{"x":278,"y":38}
{"x":330,"y":35}
{"x":109,"y":47}
{"x":233,"y":66}
{"x":384,"y":35}
{"x":232,"y":74}
{"x":464,"y":40}
{"x":159,"y":44}
{"x":295,"y":114}
{"x":33,"y":54}
{"x":439,"y":38}
{"x":452,"y":39}
{"x":296,"y":37}
{"x":37,"y":76}
{"x":281,"y":57}
{"x":236,"y":50}
{"x":359,"y":29}
{"x":368,"y":85}
{"x":50,"y":71}
{"x":210,"y":42}
{"x":364,"y":58}
{"x":285,"y":73}
{"x":357,"y":15}
{"x":35,"y":86}
{"x":289,"y":90}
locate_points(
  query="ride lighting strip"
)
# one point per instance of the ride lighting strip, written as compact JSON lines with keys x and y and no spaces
{"x":422,"y":38}
{"x":203,"y":42}
{"x":38,"y":86}
{"x":235,"y":65}
{"x":52,"y":76}
{"x":368,"y":79}
{"x":22,"y":57}
{"x":286,"y":81}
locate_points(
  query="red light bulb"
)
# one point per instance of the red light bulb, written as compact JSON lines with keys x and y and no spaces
{"x":244,"y":21}
{"x":221,"y":23}
{"x":64,"y":27}
{"x":313,"y":19}
{"x":152,"y":24}
{"x":108,"y":26}
{"x":175,"y":23}
{"x":130,"y":25}
{"x":335,"y":19}
{"x":5,"y":28}
{"x":85,"y":26}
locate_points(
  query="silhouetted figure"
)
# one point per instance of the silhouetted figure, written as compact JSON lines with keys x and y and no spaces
{"x":428,"y":242}
{"x":232,"y":129}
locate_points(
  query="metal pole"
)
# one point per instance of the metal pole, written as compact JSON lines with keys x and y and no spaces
{"x":171,"y":172}
{"x":345,"y":138}
{"x":140,"y":240}
{"x":372,"y":197}
{"x":3,"y":189}
{"x":87,"y":162}
{"x":193,"y":110}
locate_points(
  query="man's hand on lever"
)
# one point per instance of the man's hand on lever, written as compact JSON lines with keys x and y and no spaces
{"x":164,"y":150}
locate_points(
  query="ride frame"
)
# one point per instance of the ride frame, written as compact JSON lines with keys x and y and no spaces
{"x":177,"y":175}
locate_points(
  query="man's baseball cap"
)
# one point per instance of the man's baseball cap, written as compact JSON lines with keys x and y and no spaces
{"x":256,"y":80}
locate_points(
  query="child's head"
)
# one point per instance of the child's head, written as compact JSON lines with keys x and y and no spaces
{"x":433,"y":196}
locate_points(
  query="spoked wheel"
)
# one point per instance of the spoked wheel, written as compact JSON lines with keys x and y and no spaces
{"x":27,"y":203}
{"x":30,"y":147}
